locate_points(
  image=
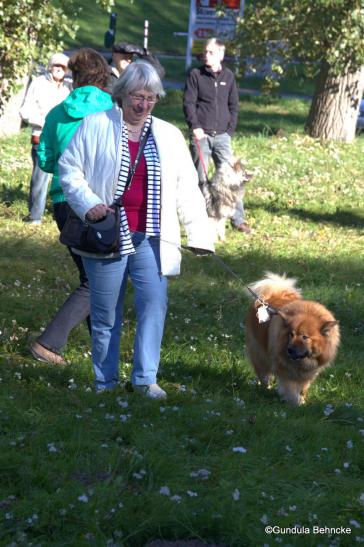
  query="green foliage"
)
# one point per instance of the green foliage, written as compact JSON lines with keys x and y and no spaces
{"x":79,"y":469}
{"x":30,"y":31}
{"x":324,"y":31}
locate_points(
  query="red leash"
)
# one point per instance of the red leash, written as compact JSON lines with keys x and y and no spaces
{"x":201,"y":157}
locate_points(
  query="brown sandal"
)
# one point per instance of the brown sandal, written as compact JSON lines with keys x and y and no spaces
{"x":45,"y":355}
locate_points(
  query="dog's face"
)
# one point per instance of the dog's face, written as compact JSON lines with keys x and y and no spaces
{"x":307,"y":337}
{"x":232,"y":174}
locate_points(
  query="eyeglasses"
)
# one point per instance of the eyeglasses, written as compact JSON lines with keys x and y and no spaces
{"x":60,"y":66}
{"x":141,"y":98}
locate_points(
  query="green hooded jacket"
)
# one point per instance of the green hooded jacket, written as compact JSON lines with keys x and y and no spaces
{"x":60,"y":126}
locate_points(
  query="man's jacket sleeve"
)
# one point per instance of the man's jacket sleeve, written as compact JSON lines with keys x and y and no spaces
{"x":190,"y":101}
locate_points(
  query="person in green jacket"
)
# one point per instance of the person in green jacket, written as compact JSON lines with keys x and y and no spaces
{"x":90,"y":73}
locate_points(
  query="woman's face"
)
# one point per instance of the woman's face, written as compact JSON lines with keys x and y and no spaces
{"x":58,"y":72}
{"x":138,"y":105}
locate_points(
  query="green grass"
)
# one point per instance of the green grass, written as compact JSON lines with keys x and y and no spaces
{"x":80,"y":469}
{"x":94,"y":22}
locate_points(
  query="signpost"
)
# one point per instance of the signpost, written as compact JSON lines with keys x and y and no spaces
{"x":205,"y":23}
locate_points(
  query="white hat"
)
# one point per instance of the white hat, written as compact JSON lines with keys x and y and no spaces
{"x":58,"y":59}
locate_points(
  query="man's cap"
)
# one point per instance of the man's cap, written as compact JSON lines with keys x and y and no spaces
{"x":130,"y":49}
{"x":59,"y":59}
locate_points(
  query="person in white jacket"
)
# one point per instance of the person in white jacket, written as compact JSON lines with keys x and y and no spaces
{"x":44,"y":92}
{"x":93,"y":171}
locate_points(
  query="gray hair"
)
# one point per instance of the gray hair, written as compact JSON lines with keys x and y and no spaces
{"x":138,"y":75}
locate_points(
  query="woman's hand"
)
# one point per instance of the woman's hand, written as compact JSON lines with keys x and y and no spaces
{"x":98,"y":212}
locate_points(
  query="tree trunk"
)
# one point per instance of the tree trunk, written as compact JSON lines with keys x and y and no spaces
{"x":335,"y":104}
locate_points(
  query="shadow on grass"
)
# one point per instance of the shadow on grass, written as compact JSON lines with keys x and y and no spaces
{"x":9,"y":195}
{"x":268,"y":124}
{"x":349,"y":218}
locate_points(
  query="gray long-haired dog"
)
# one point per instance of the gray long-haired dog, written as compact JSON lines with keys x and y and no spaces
{"x":221,"y":194}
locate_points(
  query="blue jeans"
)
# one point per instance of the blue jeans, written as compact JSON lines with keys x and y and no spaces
{"x":108,"y":280}
{"x":218,"y":148}
{"x":38,"y":188}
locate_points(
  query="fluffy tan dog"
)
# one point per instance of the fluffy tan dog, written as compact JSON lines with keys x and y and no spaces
{"x":295,"y":344}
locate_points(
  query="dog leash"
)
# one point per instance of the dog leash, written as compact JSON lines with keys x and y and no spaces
{"x":265,"y":308}
{"x":201,"y":157}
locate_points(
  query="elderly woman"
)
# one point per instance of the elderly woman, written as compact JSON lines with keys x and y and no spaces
{"x":45,"y":92}
{"x":93,"y":173}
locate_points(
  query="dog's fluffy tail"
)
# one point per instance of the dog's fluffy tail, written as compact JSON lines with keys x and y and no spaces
{"x":273,"y":284}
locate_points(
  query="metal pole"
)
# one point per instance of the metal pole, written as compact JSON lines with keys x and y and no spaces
{"x":190,"y":31}
{"x":146,"y":32}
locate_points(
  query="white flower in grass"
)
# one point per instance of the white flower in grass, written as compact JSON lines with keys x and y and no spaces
{"x":140,"y":475}
{"x":346,"y":465}
{"x":124,"y":417}
{"x":359,"y":539}
{"x":176,"y":498}
{"x":361,"y":498}
{"x":51,"y":447}
{"x":9,"y":516}
{"x":337,"y":471}
{"x":109,"y":416}
{"x":288,"y":448}
{"x":354,"y":523}
{"x":349,"y":444}
{"x":165,"y":491}
{"x":229,"y":432}
{"x":62,"y":512}
{"x":191,"y":494}
{"x":236,"y":495}
{"x":329,"y":409}
{"x":83,"y":498}
{"x":201,"y":474}
{"x":361,"y":431}
{"x":292,"y":507}
{"x":349,"y":405}
{"x":239,"y":449}
{"x":123,"y":404}
{"x":264,"y":519}
{"x":182,"y":388}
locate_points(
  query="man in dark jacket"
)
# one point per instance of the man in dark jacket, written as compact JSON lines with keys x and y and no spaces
{"x":211,"y":105}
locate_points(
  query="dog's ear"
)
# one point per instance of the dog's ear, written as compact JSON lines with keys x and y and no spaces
{"x":283,"y":316}
{"x":327,"y":326}
{"x":237,"y":164}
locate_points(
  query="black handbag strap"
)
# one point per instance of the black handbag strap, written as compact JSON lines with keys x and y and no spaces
{"x":133,"y":168}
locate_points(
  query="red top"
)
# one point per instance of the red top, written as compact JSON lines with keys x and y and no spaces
{"x":135,"y":198}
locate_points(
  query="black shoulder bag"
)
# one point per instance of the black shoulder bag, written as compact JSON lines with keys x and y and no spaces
{"x":102,"y":236}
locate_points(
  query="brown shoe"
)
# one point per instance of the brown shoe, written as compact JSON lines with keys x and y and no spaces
{"x":243,"y":227}
{"x":45,"y":355}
